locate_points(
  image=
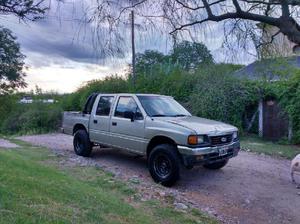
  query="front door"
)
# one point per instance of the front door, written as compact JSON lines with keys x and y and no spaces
{"x":100,"y":121}
{"x":127,"y":133}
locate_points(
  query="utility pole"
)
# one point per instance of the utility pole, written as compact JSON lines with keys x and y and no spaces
{"x":133,"y":48}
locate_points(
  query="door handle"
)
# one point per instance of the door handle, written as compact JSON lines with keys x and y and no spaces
{"x":95,"y":121}
{"x":114,"y":123}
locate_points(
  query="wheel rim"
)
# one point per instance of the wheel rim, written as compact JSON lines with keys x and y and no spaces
{"x":162,"y":166}
{"x":79,"y":145}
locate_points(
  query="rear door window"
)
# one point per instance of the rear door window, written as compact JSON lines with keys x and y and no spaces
{"x":104,"y":105}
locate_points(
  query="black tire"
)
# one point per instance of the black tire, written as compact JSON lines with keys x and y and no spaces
{"x":82,"y":144}
{"x":164,"y":164}
{"x":217,"y":165}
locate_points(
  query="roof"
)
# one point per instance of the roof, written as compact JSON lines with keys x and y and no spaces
{"x":269,"y":69}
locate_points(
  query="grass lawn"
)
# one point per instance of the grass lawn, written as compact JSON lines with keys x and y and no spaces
{"x":36,"y":188}
{"x":255,"y":144}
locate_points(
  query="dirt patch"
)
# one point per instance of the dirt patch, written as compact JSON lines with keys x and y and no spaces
{"x":7,"y":144}
{"x":250,"y":189}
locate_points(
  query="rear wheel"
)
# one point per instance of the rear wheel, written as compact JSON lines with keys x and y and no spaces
{"x":82,"y":144}
{"x":217,"y":165}
{"x":164,"y":164}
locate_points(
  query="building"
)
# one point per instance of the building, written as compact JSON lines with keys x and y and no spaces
{"x":26,"y":99}
{"x":278,"y":56}
{"x":273,"y":123}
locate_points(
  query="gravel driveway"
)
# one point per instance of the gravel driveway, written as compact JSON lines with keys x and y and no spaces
{"x":250,"y":189}
{"x":7,"y":144}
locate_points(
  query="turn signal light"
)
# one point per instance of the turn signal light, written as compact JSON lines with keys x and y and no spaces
{"x":193,"y":140}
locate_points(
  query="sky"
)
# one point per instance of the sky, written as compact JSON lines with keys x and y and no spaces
{"x":61,"y":54}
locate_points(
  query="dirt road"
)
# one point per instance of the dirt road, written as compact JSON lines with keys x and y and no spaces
{"x":250,"y":189}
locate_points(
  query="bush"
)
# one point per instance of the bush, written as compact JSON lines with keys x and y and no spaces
{"x":288,"y":93}
{"x":111,"y":84}
{"x":218,"y":95}
{"x":32,"y":118}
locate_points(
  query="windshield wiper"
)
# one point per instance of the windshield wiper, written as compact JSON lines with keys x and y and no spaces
{"x":181,"y":115}
{"x":159,"y":115}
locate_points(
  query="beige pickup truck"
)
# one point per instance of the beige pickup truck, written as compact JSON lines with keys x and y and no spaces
{"x":154,"y":126}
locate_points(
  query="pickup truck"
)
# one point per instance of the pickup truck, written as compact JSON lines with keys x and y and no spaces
{"x":154,"y":126}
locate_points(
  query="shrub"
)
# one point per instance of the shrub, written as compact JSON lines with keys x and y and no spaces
{"x":288,"y":93}
{"x":218,"y":95}
{"x":33,"y":118}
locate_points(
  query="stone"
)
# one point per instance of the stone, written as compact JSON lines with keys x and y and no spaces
{"x":180,"y":206}
{"x":134,"y":180}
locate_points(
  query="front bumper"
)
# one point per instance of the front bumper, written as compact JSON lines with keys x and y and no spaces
{"x":206,"y":155}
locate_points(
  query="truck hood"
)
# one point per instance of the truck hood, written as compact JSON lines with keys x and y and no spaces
{"x":201,"y":125}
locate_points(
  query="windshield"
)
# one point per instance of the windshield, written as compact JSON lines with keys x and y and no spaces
{"x":162,"y":106}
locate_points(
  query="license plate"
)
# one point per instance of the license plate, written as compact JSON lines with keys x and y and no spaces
{"x":223,"y":151}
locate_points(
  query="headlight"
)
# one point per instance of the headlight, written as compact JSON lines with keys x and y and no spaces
{"x":200,"y":139}
{"x":196,"y":139}
{"x":235,"y":135}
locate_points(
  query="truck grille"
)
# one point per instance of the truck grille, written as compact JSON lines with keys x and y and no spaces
{"x":220,"y":140}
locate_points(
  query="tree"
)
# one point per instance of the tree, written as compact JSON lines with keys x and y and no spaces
{"x":11,"y":62}
{"x":23,"y":9}
{"x":11,"y":59}
{"x":146,"y":61}
{"x":189,"y":55}
{"x":239,"y":17}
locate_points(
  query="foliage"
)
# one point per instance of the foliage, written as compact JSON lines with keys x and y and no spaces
{"x":147,"y":61}
{"x":11,"y":62}
{"x":185,"y":55}
{"x":111,"y":84}
{"x":288,"y":93}
{"x":37,"y":117}
{"x":32,"y":118}
{"x":217,"y":95}
{"x":189,"y":55}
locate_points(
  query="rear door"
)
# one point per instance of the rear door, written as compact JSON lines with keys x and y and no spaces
{"x":124,"y":132}
{"x":100,"y":120}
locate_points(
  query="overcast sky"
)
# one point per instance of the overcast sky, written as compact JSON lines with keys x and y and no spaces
{"x":60,"y":54}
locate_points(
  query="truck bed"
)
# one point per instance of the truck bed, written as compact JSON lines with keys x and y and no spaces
{"x":71,"y":118}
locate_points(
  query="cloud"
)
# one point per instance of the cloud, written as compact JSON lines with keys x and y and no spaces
{"x":55,"y":37}
{"x":60,"y":49}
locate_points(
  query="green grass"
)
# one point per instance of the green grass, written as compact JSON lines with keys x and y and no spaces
{"x":36,"y":188}
{"x":255,"y":144}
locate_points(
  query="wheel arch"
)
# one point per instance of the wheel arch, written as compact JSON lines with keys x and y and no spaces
{"x":157,"y":140}
{"x":78,"y":127}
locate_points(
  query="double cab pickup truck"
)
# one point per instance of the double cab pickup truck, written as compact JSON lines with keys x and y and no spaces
{"x":154,"y":126}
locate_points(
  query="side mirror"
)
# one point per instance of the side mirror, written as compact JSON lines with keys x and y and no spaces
{"x":129,"y":115}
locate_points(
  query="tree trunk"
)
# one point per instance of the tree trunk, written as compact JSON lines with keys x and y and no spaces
{"x":289,"y":27}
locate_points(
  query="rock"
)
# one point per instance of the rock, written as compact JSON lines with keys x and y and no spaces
{"x":134,"y":180}
{"x":298,"y":186}
{"x":298,"y":193}
{"x":180,"y":206}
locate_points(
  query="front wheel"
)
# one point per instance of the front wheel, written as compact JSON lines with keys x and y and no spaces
{"x":217,"y":165}
{"x":164,"y":164}
{"x":82,"y":144}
